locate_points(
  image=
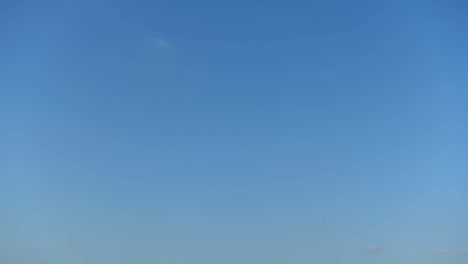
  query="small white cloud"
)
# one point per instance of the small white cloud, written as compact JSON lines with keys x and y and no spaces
{"x":451,"y":250}
{"x":161,"y":43}
{"x":372,"y":248}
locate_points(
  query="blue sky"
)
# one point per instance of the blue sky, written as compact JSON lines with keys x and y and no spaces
{"x":233,"y":132}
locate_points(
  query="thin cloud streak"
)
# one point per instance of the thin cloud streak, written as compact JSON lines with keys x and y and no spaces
{"x":452,"y":250}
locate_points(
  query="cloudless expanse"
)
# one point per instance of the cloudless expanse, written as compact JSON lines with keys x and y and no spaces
{"x":234,"y":132}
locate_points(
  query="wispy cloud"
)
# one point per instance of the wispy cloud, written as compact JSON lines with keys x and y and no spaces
{"x":161,"y":43}
{"x":372,"y":248}
{"x":450,"y":250}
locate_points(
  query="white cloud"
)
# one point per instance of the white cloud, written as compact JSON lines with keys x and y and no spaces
{"x":451,"y":250}
{"x":161,"y":43}
{"x":372,"y":248}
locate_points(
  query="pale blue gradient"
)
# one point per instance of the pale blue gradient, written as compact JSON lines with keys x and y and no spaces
{"x":211,"y":132}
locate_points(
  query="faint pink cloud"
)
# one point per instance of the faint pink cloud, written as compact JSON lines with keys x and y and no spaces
{"x":372,"y":248}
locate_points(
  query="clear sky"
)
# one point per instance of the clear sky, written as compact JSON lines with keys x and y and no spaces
{"x":234,"y":132}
